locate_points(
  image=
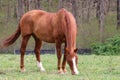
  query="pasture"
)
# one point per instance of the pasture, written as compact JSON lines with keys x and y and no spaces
{"x":91,"y":67}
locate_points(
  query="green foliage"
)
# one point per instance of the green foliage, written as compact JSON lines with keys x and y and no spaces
{"x":110,"y":47}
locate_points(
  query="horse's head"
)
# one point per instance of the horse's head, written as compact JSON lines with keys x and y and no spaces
{"x":72,"y":60}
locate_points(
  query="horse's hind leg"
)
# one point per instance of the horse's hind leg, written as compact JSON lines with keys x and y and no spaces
{"x":38,"y":44}
{"x":22,"y":50}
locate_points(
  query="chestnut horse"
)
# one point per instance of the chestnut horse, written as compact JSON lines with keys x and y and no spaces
{"x":59,"y":27}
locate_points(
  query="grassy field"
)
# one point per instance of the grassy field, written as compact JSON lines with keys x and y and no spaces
{"x":91,"y":67}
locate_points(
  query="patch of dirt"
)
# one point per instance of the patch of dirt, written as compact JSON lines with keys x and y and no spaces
{"x":2,"y":72}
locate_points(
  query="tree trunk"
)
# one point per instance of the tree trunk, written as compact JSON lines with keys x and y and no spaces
{"x":0,"y":4}
{"x":118,"y":14}
{"x":101,"y":20}
{"x":37,"y":4}
{"x":109,"y":2}
{"x":20,"y":9}
{"x":82,"y":12}
{"x":98,"y":9}
{"x":29,"y":4}
{"x":49,"y":4}
{"x":74,"y":9}
{"x":15,"y":11}
{"x":60,"y":4}
{"x":88,"y":10}
{"x":8,"y":11}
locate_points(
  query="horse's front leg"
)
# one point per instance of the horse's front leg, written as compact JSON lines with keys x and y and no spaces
{"x":64,"y":60}
{"x":59,"y":55}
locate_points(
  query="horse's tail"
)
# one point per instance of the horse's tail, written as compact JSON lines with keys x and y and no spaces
{"x":11,"y":39}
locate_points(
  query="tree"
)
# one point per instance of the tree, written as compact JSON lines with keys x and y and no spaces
{"x":26,"y":5}
{"x":8,"y":11}
{"x":101,"y":19}
{"x":0,"y":4}
{"x":49,"y":4}
{"x":97,"y":8}
{"x":74,"y":8}
{"x":15,"y":10}
{"x":20,"y":9}
{"x":37,"y":4}
{"x":60,"y":4}
{"x":88,"y":9}
{"x":118,"y":14}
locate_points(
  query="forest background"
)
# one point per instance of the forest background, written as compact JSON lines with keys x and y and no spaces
{"x":97,"y":20}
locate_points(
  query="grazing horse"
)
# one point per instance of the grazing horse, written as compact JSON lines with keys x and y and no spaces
{"x":58,"y":28}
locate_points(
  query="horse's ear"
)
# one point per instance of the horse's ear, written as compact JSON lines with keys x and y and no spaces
{"x":75,"y":50}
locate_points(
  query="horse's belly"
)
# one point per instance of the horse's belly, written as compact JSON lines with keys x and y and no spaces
{"x":47,"y":37}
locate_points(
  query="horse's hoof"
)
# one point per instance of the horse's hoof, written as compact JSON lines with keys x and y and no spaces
{"x":23,"y":70}
{"x":60,"y":71}
{"x":75,"y":73}
{"x":65,"y":71}
{"x":42,"y":70}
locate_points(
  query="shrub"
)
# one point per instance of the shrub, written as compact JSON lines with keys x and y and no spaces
{"x":110,"y":47}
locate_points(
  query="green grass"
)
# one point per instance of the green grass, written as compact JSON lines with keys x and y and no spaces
{"x":91,"y":67}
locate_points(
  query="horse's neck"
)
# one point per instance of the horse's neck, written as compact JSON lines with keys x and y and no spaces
{"x":68,"y":26}
{"x":71,"y":40}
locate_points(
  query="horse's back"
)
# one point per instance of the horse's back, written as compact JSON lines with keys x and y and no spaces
{"x":30,"y":15}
